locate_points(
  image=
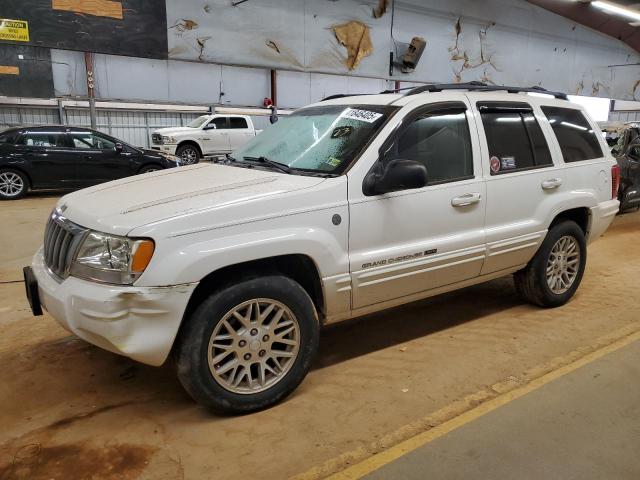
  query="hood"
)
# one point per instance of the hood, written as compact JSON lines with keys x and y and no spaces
{"x":175,"y":130}
{"x":122,"y":205}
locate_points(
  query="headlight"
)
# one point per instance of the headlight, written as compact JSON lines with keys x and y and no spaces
{"x":172,"y":158}
{"x":168,"y":139}
{"x":112,"y":259}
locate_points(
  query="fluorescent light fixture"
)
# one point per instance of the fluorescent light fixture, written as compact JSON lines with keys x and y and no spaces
{"x":596,"y":107}
{"x":617,"y":9}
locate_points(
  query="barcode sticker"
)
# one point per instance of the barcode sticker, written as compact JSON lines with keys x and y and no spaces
{"x":364,"y":115}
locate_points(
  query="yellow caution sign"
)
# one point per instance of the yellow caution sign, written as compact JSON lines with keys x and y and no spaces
{"x":14,"y":30}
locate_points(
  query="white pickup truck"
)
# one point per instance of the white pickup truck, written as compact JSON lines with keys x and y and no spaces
{"x":346,"y":207}
{"x":206,"y":135}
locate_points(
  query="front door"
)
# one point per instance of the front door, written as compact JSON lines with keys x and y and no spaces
{"x":51,"y":158}
{"x":216,"y":137}
{"x":405,"y":243}
{"x":97,"y":158}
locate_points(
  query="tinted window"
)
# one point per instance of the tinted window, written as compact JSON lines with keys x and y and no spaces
{"x":440,"y":141}
{"x":237,"y":122}
{"x":8,"y":136}
{"x":91,"y":140}
{"x":514,"y":137}
{"x":43,"y":139}
{"x":578,"y":141}
{"x":219,"y":122}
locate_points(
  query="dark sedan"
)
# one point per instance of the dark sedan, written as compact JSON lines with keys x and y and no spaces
{"x":66,"y":158}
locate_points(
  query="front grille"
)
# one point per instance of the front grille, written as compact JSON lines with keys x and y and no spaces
{"x":61,"y":240}
{"x":156,"y":138}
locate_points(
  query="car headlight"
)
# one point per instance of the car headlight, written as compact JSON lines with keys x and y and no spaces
{"x":172,"y":158}
{"x":112,"y":258}
{"x":168,"y":139}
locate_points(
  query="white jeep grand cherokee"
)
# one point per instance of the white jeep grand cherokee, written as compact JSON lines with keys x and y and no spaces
{"x":348,"y":206}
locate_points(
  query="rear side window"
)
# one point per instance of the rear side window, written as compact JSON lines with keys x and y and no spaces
{"x":237,"y":122}
{"x":578,"y":141}
{"x":514,"y":137}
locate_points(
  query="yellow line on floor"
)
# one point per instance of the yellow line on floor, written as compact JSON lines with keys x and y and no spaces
{"x":377,"y":461}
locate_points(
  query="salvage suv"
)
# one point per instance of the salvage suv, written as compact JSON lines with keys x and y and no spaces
{"x":349,"y":206}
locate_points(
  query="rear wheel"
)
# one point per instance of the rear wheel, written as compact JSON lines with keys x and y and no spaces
{"x":555,"y":272}
{"x":13,"y":184}
{"x":248,"y":346}
{"x":188,"y":153}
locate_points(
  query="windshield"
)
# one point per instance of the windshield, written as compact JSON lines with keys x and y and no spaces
{"x":321,"y":139}
{"x":197,"y":123}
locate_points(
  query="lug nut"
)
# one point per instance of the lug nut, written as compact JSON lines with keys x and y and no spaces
{"x":242,"y":343}
{"x":265,"y":338}
{"x":261,"y":353}
{"x":247,"y":356}
{"x":254,"y":331}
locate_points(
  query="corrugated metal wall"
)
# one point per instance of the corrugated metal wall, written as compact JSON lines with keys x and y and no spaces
{"x":625,"y":116}
{"x":132,"y":126}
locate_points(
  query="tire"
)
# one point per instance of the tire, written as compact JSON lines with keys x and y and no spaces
{"x":150,"y":168}
{"x":13,"y":184}
{"x":567,"y":242}
{"x":188,"y":153}
{"x":213,"y":386}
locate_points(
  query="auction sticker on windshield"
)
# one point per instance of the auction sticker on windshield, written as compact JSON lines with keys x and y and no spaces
{"x":14,"y":30}
{"x":364,"y":115}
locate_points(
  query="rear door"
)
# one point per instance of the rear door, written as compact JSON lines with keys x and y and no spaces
{"x":97,"y":158}
{"x":239,"y":132}
{"x":521,"y":177}
{"x":50,"y":157}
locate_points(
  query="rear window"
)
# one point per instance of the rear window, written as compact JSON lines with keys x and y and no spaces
{"x":578,"y":141}
{"x":514,"y":137}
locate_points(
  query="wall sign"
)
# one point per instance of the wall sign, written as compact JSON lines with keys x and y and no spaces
{"x":14,"y":30}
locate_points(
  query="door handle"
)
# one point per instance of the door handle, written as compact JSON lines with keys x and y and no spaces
{"x":551,"y":183}
{"x":466,"y":200}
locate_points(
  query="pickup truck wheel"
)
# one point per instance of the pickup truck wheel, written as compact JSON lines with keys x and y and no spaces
{"x":189,"y":154}
{"x":555,"y":272}
{"x":13,"y":184}
{"x":248,"y":346}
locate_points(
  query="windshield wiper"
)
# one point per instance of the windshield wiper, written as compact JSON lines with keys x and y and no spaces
{"x":280,"y":166}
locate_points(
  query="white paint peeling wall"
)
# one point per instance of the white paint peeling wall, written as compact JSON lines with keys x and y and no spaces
{"x":504,"y":42}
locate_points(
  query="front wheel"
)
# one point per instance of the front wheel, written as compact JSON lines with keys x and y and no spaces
{"x":554,"y":274}
{"x":189,"y":154}
{"x":248,"y":346}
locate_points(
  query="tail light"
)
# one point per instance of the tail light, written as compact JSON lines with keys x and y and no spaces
{"x":615,"y":181}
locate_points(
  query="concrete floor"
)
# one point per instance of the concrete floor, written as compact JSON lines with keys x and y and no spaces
{"x":70,"y":410}
{"x":585,"y":425}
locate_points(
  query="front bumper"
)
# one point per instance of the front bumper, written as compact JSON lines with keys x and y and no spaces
{"x":165,"y":148}
{"x":138,"y":322}
{"x":601,"y":217}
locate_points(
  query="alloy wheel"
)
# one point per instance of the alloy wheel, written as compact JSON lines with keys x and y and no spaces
{"x":563,"y":264}
{"x":254,"y":346}
{"x":11,"y":184}
{"x":189,"y":156}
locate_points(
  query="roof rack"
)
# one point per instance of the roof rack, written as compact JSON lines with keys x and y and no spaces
{"x":483,"y":87}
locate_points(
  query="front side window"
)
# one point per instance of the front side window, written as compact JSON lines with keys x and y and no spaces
{"x":91,"y":140}
{"x":318,"y":139}
{"x":43,"y":139}
{"x":218,"y":123}
{"x":8,"y":136}
{"x":440,"y":140}
{"x":514,"y":137}
{"x":578,"y":141}
{"x":198,"y":122}
{"x":238,"y":122}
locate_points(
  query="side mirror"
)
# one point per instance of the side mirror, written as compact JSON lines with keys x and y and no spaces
{"x":118,"y":148}
{"x":398,"y":174}
{"x":211,"y":126}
